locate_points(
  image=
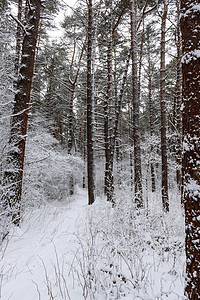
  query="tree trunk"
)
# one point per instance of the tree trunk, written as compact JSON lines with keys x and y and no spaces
{"x":153,"y":186}
{"x":14,"y":173}
{"x":90,"y":109}
{"x":165,"y":199}
{"x":108,"y":129}
{"x":135,"y":100}
{"x":179,"y":102}
{"x":18,"y":39}
{"x":130,"y":129}
{"x":140,"y":60}
{"x":190,"y":23}
{"x":71,"y":121}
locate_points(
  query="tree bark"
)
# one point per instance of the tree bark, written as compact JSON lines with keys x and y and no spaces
{"x":165,"y":199}
{"x":179,"y":101}
{"x":108,"y":128}
{"x":14,"y":173}
{"x":90,"y":109}
{"x":140,"y":61}
{"x":18,"y":38}
{"x":135,"y":101}
{"x":190,"y":23}
{"x":153,"y":186}
{"x":71,"y":102}
{"x":71,"y":110}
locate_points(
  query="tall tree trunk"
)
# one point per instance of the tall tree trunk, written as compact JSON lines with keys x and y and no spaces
{"x":135,"y":100}
{"x":71,"y":102}
{"x":71,"y":136}
{"x":71,"y":110}
{"x":179,"y":101}
{"x":165,"y":199}
{"x":190,"y":23}
{"x":90,"y":109}
{"x":140,"y":60}
{"x":108,"y":130}
{"x":70,"y":121}
{"x":153,"y":186}
{"x":119,"y":101}
{"x":130,"y":130}
{"x":14,"y":174}
{"x":18,"y":38}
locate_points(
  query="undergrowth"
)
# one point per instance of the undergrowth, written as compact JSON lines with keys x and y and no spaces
{"x":126,"y":252}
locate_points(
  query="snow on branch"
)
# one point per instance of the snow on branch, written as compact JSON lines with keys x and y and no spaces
{"x":144,"y":12}
{"x":194,"y":8}
{"x":191,"y":55}
{"x":20,"y":23}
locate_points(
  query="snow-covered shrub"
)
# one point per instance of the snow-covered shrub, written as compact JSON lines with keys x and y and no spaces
{"x":120,"y":248}
{"x":122,"y":170}
{"x":6,"y":87}
{"x":48,"y":169}
{"x":6,"y":102}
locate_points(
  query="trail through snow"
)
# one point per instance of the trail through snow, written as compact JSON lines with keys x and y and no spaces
{"x":46,"y":236}
{"x":49,"y":255}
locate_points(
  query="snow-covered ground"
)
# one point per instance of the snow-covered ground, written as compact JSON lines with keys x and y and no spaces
{"x":30,"y":258}
{"x":72,"y":251}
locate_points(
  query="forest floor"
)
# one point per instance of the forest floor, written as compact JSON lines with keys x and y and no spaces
{"x":72,"y":251}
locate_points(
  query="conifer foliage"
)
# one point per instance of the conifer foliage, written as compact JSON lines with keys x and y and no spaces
{"x":113,"y":98}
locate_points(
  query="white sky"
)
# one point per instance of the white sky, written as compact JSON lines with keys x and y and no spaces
{"x":56,"y":34}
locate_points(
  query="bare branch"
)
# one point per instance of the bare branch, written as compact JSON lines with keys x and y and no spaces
{"x":144,"y":13}
{"x":19,"y":23}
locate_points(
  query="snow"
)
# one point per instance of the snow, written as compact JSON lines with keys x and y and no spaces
{"x":73,"y":251}
{"x":194,"y":8}
{"x":193,"y":188}
{"x":192,"y":55}
{"x":32,"y":248}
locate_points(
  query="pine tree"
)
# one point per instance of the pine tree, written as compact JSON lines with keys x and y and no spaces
{"x":14,"y":174}
{"x":178,"y":99}
{"x":150,"y":104}
{"x":165,"y":199}
{"x":90,"y":107}
{"x":7,"y":58}
{"x":190,"y":23}
{"x":135,"y":103}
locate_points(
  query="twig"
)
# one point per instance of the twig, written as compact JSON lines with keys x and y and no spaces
{"x":37,"y":289}
{"x":19,"y":23}
{"x":146,"y":12}
{"x":33,"y":162}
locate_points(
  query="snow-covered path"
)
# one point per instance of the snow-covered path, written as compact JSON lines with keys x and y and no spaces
{"x":52,"y":255}
{"x":36,"y":252}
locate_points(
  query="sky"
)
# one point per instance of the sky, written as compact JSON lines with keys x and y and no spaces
{"x":56,"y":34}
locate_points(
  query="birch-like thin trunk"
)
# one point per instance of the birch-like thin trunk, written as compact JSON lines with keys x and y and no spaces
{"x":165,"y":199}
{"x":135,"y":101}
